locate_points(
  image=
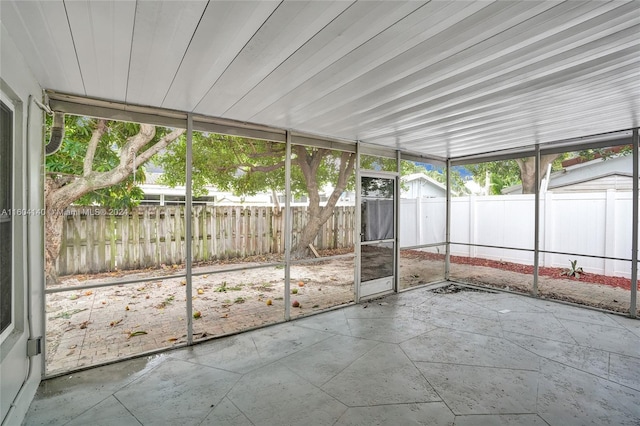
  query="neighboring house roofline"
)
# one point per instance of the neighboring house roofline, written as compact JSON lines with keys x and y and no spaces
{"x":418,"y":176}
{"x":589,"y":179}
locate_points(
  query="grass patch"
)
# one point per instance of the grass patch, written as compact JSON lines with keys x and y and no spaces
{"x":69,"y":314}
{"x":166,"y":302}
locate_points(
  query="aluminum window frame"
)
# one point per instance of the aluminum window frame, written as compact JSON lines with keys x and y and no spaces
{"x":6,"y":217}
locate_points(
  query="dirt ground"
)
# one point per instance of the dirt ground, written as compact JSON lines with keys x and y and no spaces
{"x":94,"y":326}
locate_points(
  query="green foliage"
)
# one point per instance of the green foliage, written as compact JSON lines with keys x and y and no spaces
{"x":229,"y":163}
{"x":247,"y":166}
{"x":457,"y":182}
{"x":69,"y":160}
{"x":503,"y":174}
{"x":222,"y":288}
{"x":604,"y":153}
{"x":574,"y":270}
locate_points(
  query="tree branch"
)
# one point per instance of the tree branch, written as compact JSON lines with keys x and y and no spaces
{"x":100,"y":129}
{"x":93,"y":181}
{"x":158,"y":146}
{"x":265,"y":169}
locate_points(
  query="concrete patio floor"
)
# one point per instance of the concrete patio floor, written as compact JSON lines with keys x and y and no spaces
{"x":468,"y":358}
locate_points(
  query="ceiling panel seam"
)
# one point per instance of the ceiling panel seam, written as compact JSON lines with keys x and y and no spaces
{"x":133,"y":33}
{"x":236,"y":56}
{"x":477,"y":105}
{"x":184,"y":54}
{"x":342,"y":58}
{"x":410,"y":94}
{"x":320,"y":70}
{"x":73,"y":40}
{"x":491,"y":93}
{"x":286,"y":59}
{"x":441,"y":33}
{"x":513,"y":75}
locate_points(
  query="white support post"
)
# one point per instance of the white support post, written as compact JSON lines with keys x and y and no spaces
{"x":633,"y":307}
{"x":447,"y":257}
{"x":396,"y":227}
{"x":188,"y":231}
{"x":288,"y":239}
{"x":357,"y":238}
{"x":536,"y":225}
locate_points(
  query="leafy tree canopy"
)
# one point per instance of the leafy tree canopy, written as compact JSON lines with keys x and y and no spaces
{"x":68,"y":161}
{"x":248,"y":166}
{"x":503,"y":174}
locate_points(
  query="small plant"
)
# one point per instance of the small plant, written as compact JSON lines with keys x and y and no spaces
{"x":294,"y":291}
{"x":222,"y":288}
{"x":240,"y":300}
{"x":574,"y":270}
{"x":166,"y":302}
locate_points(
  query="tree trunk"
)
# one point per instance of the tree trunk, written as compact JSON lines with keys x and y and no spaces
{"x":308,"y":234}
{"x":309,"y":161}
{"x":528,"y":171}
{"x":53,"y":225}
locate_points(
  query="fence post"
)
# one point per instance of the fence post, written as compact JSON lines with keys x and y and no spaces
{"x":549,"y":228}
{"x":609,"y":231}
{"x":418,"y":221}
{"x":473,"y":251}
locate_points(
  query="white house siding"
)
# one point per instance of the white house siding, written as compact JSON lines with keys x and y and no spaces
{"x":17,"y":83}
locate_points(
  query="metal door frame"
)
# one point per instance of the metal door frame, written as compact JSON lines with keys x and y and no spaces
{"x":358,"y":242}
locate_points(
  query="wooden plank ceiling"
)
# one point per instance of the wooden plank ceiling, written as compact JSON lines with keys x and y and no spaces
{"x":442,"y":78}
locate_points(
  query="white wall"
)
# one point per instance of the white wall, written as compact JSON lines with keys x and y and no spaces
{"x":592,"y":223}
{"x":17,"y":386}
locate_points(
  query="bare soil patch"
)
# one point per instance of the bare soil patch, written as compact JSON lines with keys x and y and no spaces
{"x":93,"y":326}
{"x":598,"y":291}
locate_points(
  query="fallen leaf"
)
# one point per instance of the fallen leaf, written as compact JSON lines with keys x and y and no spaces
{"x":88,"y":293}
{"x":200,"y":291}
{"x":137,"y":333}
{"x":197,"y":314}
{"x":126,"y":308}
{"x":172,"y":339}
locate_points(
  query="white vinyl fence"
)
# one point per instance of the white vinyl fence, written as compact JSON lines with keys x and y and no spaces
{"x":593,"y":223}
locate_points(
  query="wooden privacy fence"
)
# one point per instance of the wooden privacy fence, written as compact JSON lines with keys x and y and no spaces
{"x":98,"y":240}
